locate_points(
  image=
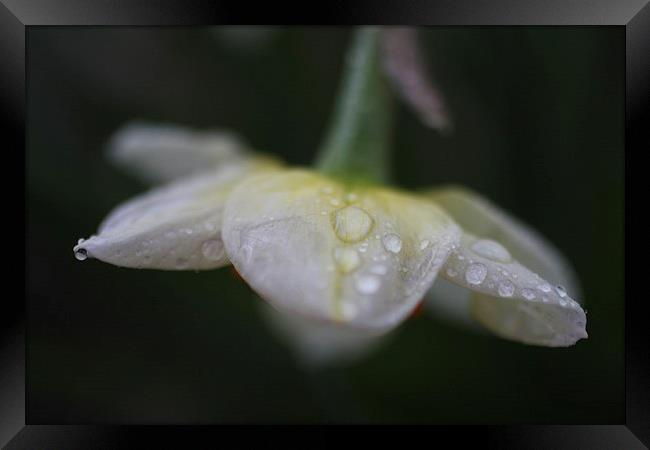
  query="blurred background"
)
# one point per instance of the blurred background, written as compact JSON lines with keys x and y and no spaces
{"x":539,"y":127}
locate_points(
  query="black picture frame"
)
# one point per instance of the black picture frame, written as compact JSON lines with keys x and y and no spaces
{"x":15,"y":18}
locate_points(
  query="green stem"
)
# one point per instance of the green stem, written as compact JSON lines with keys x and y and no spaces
{"x":356,"y":145}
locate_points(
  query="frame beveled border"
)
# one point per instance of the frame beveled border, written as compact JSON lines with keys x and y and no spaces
{"x":634,"y":15}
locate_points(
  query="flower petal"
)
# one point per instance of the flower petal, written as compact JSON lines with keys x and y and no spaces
{"x":358,"y":256}
{"x":173,"y":227}
{"x":512,"y":301}
{"x":480,"y":217}
{"x":317,"y":343}
{"x":505,"y":296}
{"x":160,"y":153}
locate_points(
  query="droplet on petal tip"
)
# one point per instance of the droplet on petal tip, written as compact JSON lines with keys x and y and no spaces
{"x":80,"y":253}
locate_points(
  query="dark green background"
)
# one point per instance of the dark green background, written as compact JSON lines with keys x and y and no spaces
{"x":539,"y":129}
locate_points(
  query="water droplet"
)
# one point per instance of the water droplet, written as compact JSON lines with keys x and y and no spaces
{"x":561,"y":291}
{"x":346,"y":259}
{"x":424,"y":244}
{"x":363,"y":247}
{"x":563,"y":302}
{"x":81,"y":254}
{"x":475,"y":273}
{"x":351,"y":224}
{"x":506,"y":288}
{"x":545,"y":287}
{"x":212,"y":250}
{"x":528,"y":294}
{"x":491,"y":250}
{"x":368,"y":284}
{"x":451,"y":272}
{"x":392,"y":242}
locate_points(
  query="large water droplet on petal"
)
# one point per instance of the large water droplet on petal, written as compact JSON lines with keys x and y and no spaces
{"x":491,"y":250}
{"x":475,"y":273}
{"x":368,"y":284}
{"x":392,"y":242}
{"x":351,"y":224}
{"x":561,"y":291}
{"x":346,"y":259}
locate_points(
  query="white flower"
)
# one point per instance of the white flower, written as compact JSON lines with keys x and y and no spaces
{"x":354,"y":258}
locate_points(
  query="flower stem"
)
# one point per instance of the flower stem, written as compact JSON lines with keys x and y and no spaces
{"x":356,"y":145}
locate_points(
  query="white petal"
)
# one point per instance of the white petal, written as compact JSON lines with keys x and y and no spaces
{"x":317,"y":343}
{"x":480,"y":217}
{"x":509,"y":299}
{"x":531,"y":315}
{"x":160,"y":153}
{"x":173,"y":227}
{"x":360,"y":256}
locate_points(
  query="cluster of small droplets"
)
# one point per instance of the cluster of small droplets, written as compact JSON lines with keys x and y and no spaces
{"x":476,"y":273}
